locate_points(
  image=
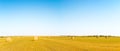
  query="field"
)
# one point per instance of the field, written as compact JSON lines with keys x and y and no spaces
{"x":60,"y":43}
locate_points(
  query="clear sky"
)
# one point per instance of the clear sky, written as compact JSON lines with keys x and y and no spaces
{"x":59,"y":17}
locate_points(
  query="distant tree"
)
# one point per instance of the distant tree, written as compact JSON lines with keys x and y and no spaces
{"x":2,"y":37}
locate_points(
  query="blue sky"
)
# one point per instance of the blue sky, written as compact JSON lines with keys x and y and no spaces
{"x":59,"y":17}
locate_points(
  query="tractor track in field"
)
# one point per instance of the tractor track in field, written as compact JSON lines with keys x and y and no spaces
{"x":50,"y":48}
{"x":61,"y":45}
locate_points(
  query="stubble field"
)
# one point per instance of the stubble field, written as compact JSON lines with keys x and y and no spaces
{"x":60,"y":43}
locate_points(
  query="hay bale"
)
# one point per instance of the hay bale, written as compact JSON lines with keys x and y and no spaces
{"x":35,"y":38}
{"x":8,"y":39}
{"x":72,"y":37}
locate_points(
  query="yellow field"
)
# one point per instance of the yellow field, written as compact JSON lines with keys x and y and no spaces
{"x":60,"y":43}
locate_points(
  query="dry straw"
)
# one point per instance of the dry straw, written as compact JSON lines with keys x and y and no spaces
{"x":8,"y":39}
{"x":35,"y":38}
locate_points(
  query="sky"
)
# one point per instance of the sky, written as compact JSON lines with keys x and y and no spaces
{"x":59,"y":17}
